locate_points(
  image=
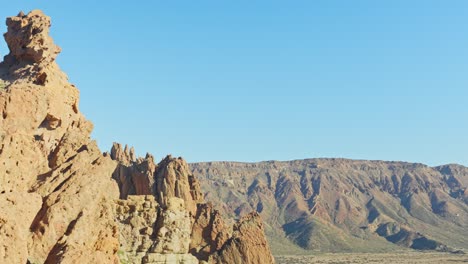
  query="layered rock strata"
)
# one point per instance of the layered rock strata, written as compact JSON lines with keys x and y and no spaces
{"x":334,"y":205}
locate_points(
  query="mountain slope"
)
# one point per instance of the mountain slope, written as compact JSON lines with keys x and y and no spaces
{"x":346,"y":205}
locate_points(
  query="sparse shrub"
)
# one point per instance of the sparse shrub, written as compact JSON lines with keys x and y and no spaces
{"x":2,"y":84}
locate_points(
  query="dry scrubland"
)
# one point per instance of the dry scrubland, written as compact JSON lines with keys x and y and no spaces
{"x":380,"y":258}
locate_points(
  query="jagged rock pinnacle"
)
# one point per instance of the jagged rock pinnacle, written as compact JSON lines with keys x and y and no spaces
{"x":32,"y":50}
{"x":28,"y":38}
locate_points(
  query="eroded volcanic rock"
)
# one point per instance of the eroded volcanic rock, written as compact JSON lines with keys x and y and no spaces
{"x":185,"y":224}
{"x":64,"y":201}
{"x":48,"y":158}
{"x":246,"y":244}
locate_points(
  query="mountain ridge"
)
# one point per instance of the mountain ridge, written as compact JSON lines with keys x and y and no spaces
{"x":327,"y":158}
{"x":332,"y":198}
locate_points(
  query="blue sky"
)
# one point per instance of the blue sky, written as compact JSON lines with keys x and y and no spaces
{"x":263,"y":80}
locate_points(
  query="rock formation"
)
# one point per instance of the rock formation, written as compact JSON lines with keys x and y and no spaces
{"x":64,"y":201}
{"x":185,"y":227}
{"x":333,"y":205}
{"x":246,"y":245}
{"x":48,"y":158}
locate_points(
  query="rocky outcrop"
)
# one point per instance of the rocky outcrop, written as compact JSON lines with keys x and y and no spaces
{"x":209,"y":231}
{"x":28,"y":39}
{"x":173,"y":228}
{"x":247,"y":244}
{"x":63,"y":200}
{"x":186,"y":226}
{"x":136,"y":218}
{"x":149,"y":234}
{"x":141,"y":176}
{"x":173,"y":179}
{"x":32,"y":50}
{"x":46,"y":150}
{"x":135,"y":176}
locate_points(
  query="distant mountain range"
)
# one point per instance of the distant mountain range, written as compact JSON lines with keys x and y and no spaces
{"x":340,"y":205}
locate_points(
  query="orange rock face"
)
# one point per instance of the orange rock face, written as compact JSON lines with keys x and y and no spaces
{"x":247,"y":244}
{"x":182,"y":205}
{"x":209,"y":232}
{"x":64,"y":201}
{"x":46,"y":151}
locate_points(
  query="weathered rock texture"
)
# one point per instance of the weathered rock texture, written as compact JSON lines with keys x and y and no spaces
{"x":63,"y":201}
{"x":246,"y":245}
{"x":209,"y":232}
{"x":46,"y":154}
{"x":185,"y":226}
{"x":134,"y":176}
{"x":345,"y":205}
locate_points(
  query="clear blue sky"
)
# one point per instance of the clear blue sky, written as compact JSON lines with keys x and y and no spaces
{"x":262,"y":80}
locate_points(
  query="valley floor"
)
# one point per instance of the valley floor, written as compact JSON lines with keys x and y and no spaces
{"x":377,"y":258}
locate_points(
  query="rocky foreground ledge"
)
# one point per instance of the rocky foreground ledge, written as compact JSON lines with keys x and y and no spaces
{"x":63,"y":201}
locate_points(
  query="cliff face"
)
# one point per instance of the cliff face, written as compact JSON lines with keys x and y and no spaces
{"x":335,"y":205}
{"x":63,"y":201}
{"x":50,"y":168}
